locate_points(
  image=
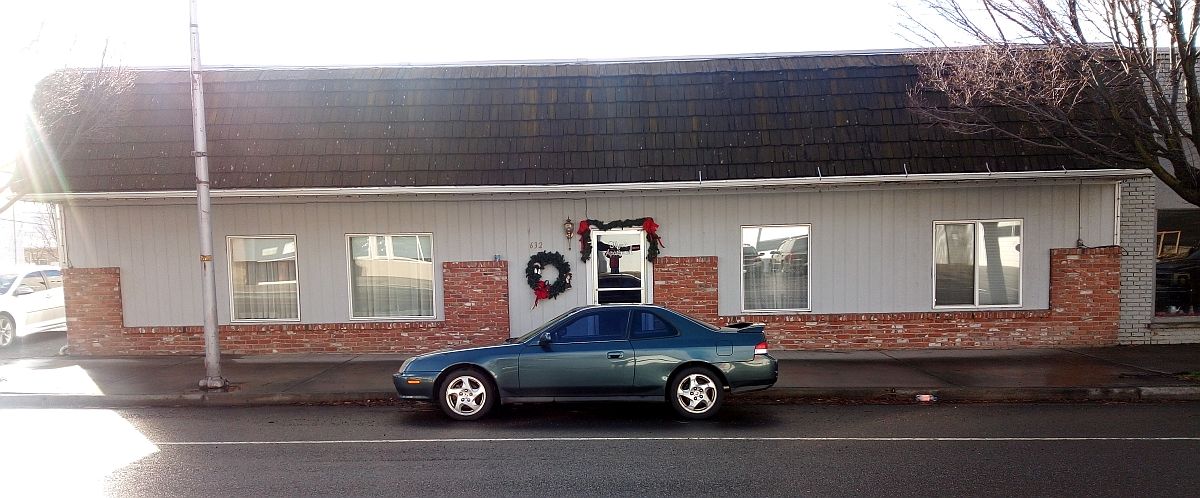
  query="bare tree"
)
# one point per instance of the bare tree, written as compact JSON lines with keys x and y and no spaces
{"x":1108,"y":81}
{"x":70,"y":106}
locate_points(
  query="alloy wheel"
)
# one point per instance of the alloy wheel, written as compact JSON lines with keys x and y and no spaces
{"x":697,"y":393}
{"x":465,"y":395}
{"x":8,"y":331}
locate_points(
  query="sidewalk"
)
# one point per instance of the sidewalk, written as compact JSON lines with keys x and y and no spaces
{"x":1119,"y":373}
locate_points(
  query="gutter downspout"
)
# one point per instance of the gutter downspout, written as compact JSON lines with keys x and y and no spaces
{"x":212,"y":347}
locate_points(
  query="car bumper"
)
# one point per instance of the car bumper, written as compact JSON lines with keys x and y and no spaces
{"x":415,"y":385}
{"x":759,"y":373}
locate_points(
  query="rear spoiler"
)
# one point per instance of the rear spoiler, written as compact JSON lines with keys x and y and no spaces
{"x":745,"y":327}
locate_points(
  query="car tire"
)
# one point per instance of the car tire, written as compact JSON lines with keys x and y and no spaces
{"x":466,"y":394}
{"x":695,"y":393}
{"x":8,"y":330}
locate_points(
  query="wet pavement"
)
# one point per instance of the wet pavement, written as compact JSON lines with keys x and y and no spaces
{"x":1119,"y":373}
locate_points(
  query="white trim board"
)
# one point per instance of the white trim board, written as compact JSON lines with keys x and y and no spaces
{"x":681,"y":186}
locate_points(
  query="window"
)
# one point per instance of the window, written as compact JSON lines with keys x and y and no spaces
{"x":607,"y":325}
{"x":54,"y":278}
{"x":775,"y":268}
{"x":647,"y":325}
{"x":34,"y":281}
{"x":391,"y":276}
{"x":977,"y":263}
{"x":262,"y":274}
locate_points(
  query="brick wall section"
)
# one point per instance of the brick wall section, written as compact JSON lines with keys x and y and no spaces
{"x":1138,"y":227}
{"x":687,"y":284}
{"x":93,"y":305}
{"x":476,"y":310}
{"x":1084,"y":297}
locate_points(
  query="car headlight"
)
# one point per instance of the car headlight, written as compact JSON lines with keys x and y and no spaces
{"x":404,"y":366}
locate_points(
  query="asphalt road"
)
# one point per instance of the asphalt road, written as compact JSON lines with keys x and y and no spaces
{"x":596,"y":450}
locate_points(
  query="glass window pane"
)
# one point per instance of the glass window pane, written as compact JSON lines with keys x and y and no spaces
{"x":999,"y":257}
{"x":395,"y":285}
{"x":601,"y":326}
{"x":954,"y":264}
{"x":264,"y":278}
{"x":34,"y":281}
{"x":405,"y":246}
{"x":54,"y":278}
{"x":647,"y":325}
{"x":775,"y":267}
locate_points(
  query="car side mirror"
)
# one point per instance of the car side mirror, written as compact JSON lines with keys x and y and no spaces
{"x":545,"y":339}
{"x":23,"y":290}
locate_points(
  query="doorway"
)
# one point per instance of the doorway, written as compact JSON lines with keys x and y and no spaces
{"x":618,"y":268}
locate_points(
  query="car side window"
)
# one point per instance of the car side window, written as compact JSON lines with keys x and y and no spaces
{"x":604,"y":325}
{"x":34,"y":281}
{"x":54,"y":278}
{"x":647,"y":325}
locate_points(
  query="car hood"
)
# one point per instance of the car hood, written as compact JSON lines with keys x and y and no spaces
{"x":440,"y":359}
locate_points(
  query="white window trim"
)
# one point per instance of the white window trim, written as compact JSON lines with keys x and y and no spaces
{"x":350,"y":285}
{"x":742,"y":278}
{"x":229,"y":275}
{"x":975,"y":258}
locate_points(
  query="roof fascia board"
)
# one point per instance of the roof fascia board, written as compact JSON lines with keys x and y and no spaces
{"x":710,"y":185}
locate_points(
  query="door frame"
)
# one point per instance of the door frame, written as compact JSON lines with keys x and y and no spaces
{"x":594,"y":273}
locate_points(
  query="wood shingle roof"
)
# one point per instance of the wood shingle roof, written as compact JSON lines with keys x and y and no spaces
{"x":535,"y":124}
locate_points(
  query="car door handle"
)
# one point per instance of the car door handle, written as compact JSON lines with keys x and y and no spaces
{"x":615,"y":355}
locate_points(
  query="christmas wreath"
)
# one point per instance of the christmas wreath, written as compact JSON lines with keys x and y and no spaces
{"x":646,"y":224}
{"x":541,"y":288}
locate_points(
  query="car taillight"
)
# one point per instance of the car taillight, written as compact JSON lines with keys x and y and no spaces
{"x":761,"y":348}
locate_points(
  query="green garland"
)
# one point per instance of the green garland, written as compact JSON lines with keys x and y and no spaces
{"x":646,"y":224}
{"x":533,"y":275}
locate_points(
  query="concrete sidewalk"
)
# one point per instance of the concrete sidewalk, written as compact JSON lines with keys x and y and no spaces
{"x":1120,"y":373}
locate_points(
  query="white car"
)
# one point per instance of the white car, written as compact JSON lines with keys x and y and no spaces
{"x":31,"y":300}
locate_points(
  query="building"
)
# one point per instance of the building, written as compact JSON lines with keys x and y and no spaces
{"x":398,"y":209}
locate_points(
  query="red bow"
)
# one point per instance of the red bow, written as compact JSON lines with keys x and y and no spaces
{"x":542,"y":291}
{"x":583,"y":233}
{"x":651,"y":229}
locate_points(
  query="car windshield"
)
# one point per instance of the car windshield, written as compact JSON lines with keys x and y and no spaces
{"x":529,"y":335}
{"x":6,"y":281}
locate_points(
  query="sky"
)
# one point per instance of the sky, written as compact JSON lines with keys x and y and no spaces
{"x":39,"y":36}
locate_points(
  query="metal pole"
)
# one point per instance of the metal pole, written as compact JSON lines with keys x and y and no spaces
{"x":212,"y":347}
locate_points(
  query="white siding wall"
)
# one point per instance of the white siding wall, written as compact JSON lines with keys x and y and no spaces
{"x":871,"y":249}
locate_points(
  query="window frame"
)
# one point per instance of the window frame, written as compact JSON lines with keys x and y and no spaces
{"x":978,"y":232}
{"x":350,"y":284}
{"x":229,"y":275}
{"x":742,"y":277}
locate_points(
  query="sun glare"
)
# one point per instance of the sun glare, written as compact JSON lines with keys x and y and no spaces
{"x":67,"y":452}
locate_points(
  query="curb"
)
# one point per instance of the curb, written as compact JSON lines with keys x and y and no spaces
{"x":773,"y":395}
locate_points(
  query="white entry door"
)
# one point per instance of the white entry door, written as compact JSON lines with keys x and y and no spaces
{"x":618,"y":267}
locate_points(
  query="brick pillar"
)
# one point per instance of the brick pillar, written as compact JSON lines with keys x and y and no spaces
{"x":476,"y":301}
{"x":1138,"y":225}
{"x":93,"y":306}
{"x":1085,"y":294}
{"x":687,"y":284}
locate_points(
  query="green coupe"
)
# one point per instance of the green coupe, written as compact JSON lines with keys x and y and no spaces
{"x":609,"y":352}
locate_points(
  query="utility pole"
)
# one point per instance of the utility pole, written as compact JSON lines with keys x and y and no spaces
{"x":212,"y":346}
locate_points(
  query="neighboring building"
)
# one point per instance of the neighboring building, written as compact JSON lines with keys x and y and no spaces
{"x":1177,"y":273}
{"x":395,"y":209}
